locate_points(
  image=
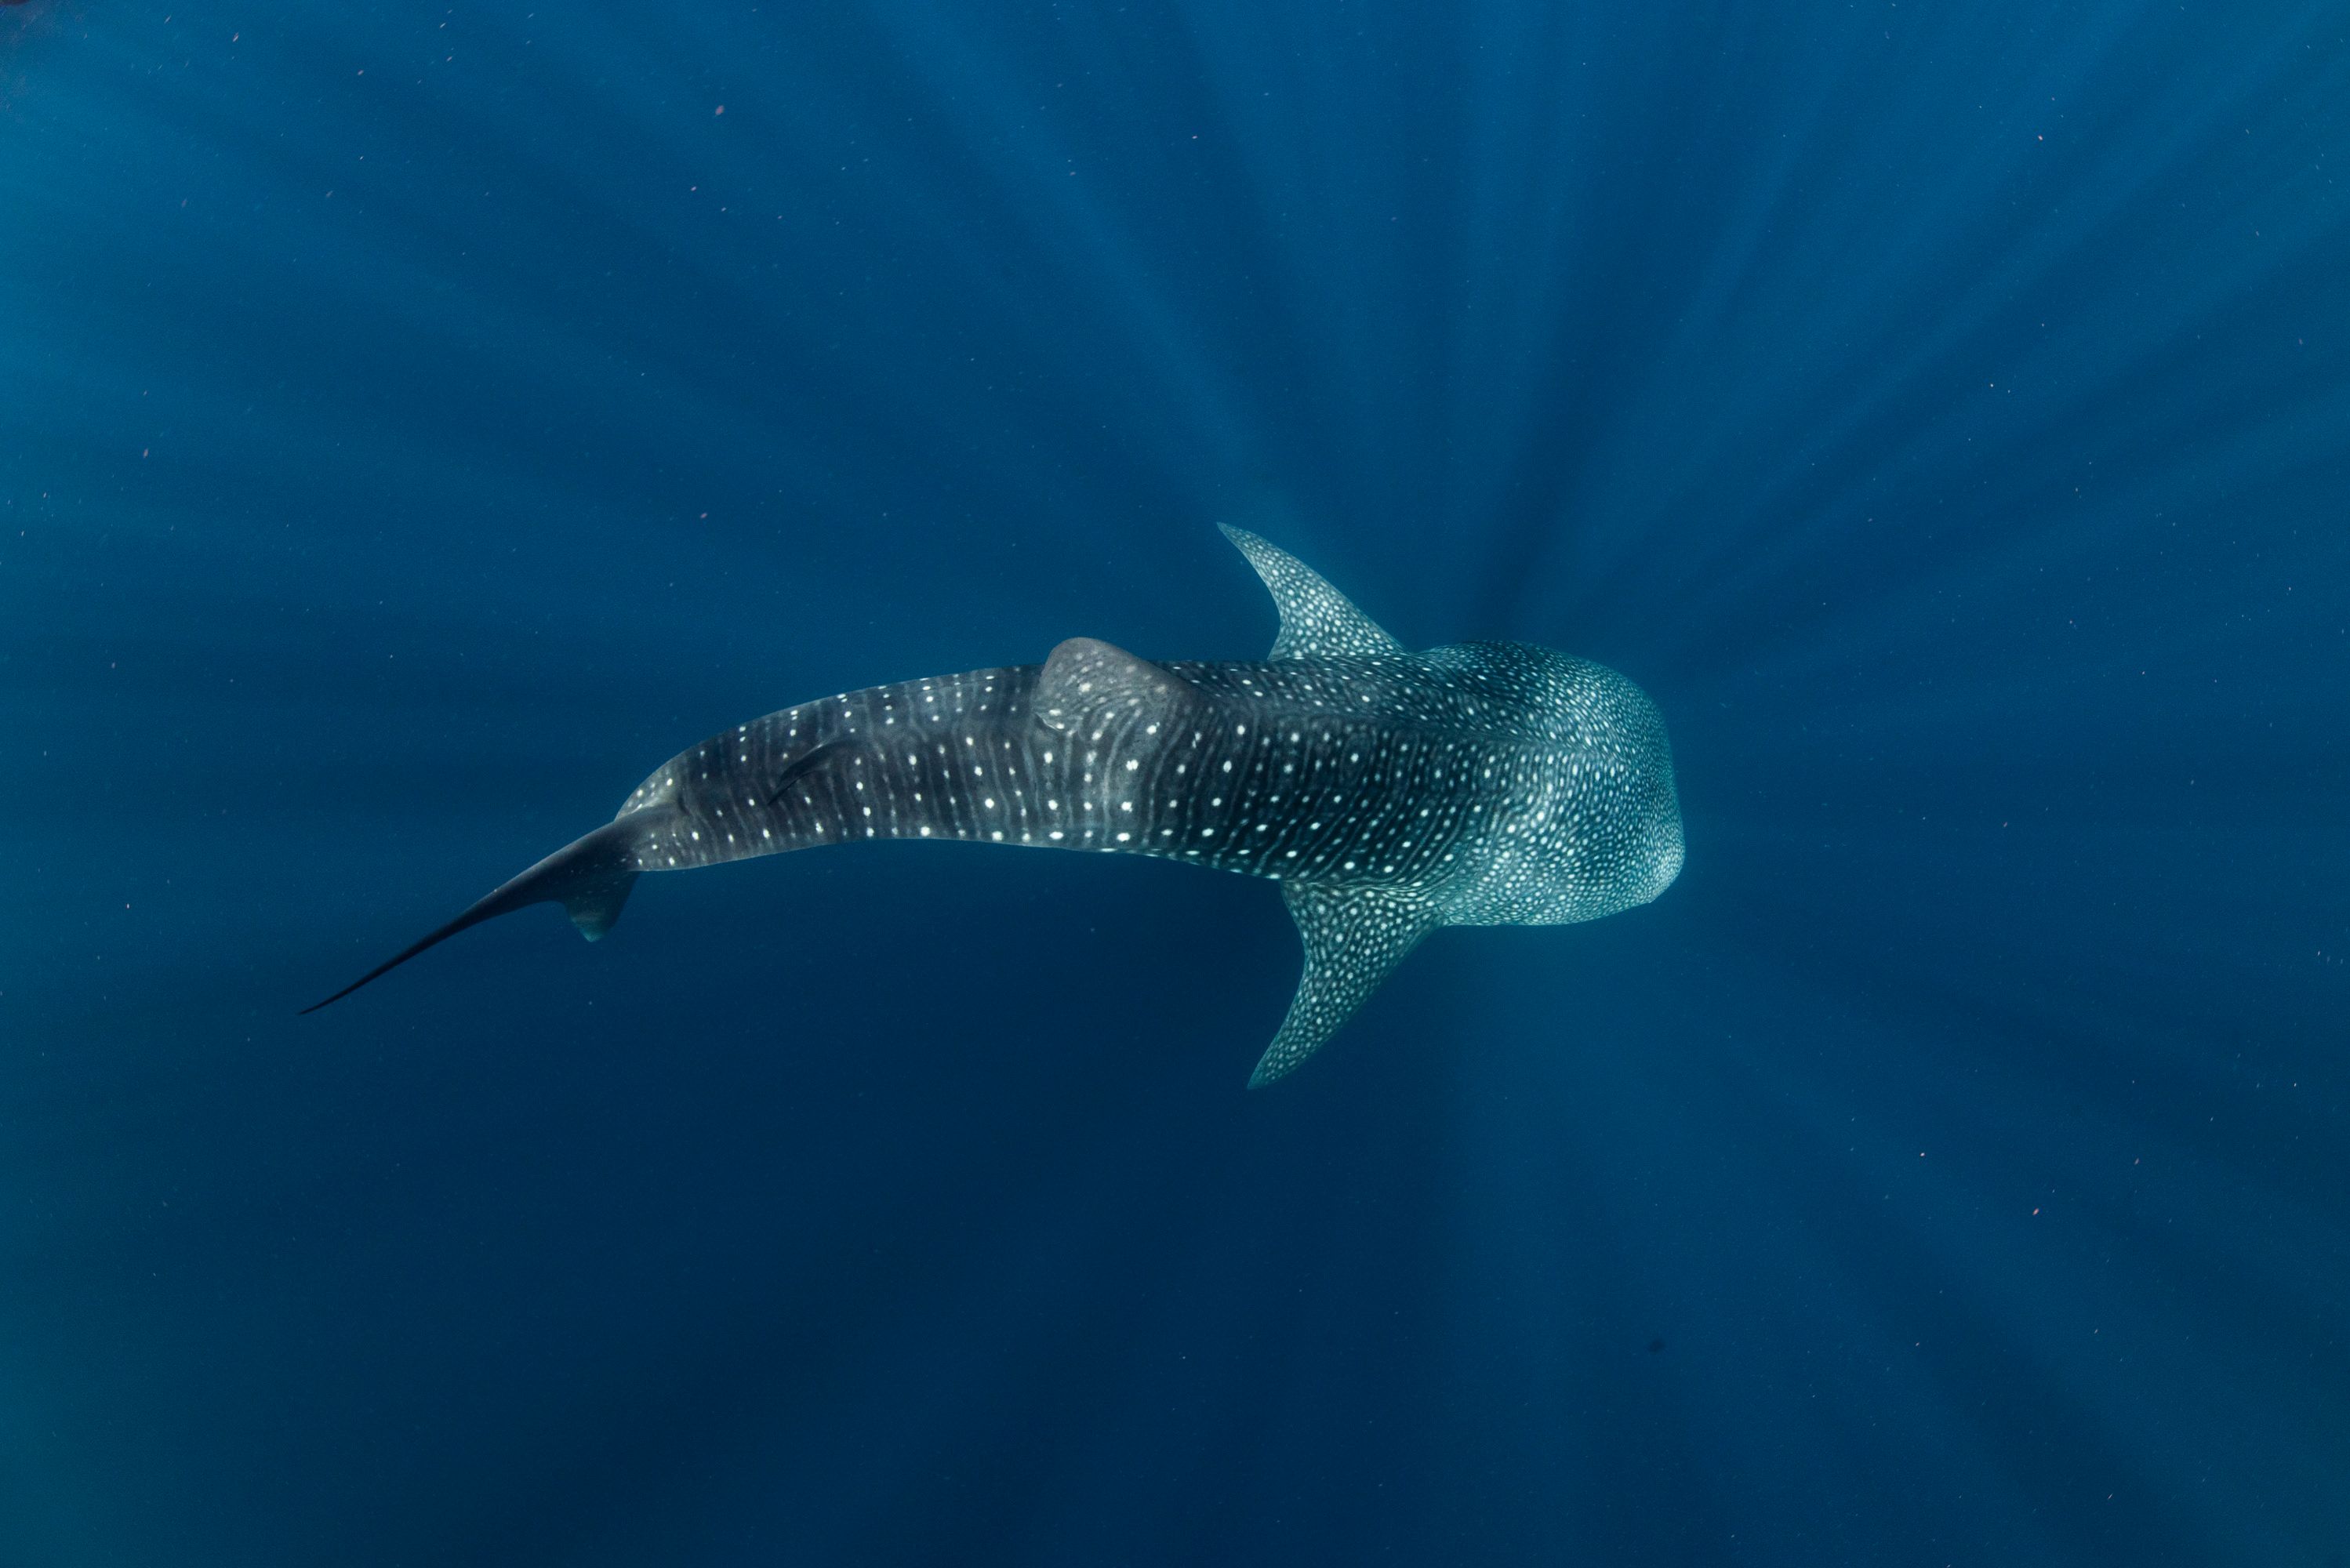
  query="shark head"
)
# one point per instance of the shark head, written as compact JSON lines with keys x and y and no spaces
{"x":1594,"y":822}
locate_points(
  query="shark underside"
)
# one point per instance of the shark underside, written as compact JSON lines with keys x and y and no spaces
{"x":1387,"y":792}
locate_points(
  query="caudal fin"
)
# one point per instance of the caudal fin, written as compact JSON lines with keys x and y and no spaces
{"x":590,"y":877}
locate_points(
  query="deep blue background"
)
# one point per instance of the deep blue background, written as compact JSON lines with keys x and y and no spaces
{"x":415,"y":425}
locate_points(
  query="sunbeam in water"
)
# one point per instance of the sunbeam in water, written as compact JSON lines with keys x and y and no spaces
{"x":413,"y":426}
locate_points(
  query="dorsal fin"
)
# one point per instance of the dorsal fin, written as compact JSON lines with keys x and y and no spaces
{"x":1316,"y":619}
{"x":1354,"y":939}
{"x":1091,"y":684}
{"x":597,"y":906}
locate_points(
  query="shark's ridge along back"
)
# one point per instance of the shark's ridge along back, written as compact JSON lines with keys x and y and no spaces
{"x":1389,"y":792}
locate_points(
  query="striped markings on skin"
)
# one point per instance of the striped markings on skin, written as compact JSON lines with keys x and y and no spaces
{"x":1390,"y":792}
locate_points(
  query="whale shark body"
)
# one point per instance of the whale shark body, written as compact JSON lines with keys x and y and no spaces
{"x":1387,"y":792}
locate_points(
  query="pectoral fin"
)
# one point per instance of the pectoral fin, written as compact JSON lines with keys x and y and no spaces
{"x":1318,"y":621}
{"x":1354,"y":937}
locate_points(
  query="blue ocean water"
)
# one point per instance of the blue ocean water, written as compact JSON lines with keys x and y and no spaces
{"x":417,"y":423}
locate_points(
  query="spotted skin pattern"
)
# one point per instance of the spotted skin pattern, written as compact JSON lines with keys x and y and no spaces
{"x":1389,"y":792}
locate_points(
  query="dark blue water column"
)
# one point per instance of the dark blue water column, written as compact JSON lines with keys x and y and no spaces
{"x":416,"y":426}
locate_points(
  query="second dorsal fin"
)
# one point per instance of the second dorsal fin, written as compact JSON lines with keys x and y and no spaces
{"x":1318,"y":621}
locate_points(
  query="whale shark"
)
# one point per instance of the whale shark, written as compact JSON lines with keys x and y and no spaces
{"x":1388,"y":792}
